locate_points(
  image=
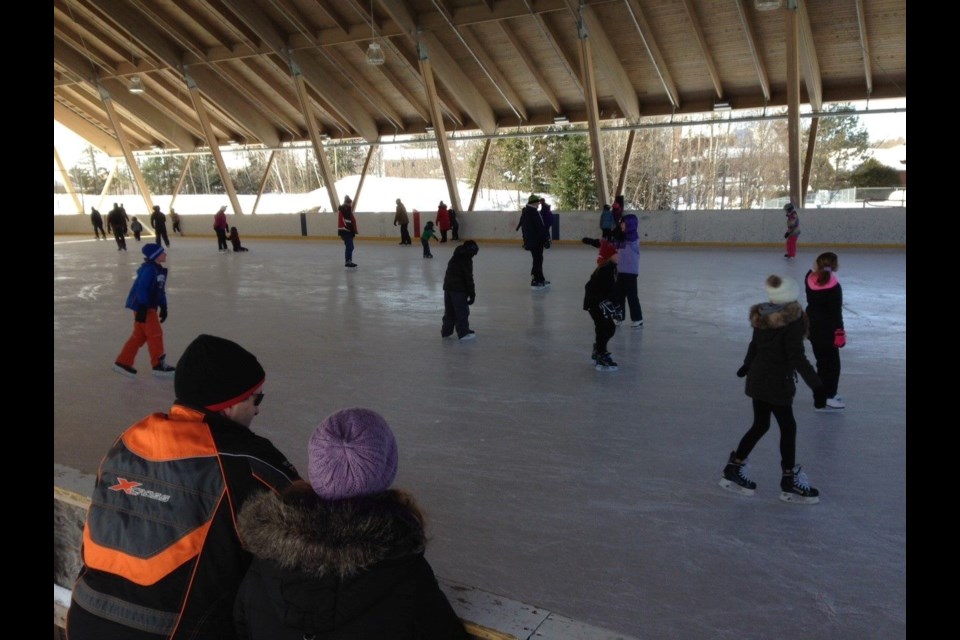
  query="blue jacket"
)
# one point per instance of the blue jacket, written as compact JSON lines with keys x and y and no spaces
{"x":149,"y":289}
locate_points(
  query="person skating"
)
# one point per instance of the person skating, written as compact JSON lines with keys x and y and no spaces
{"x":793,"y":230}
{"x":117,"y":225}
{"x":158,"y":222}
{"x":235,"y":240}
{"x":425,"y":237}
{"x":148,"y":301}
{"x":97,"y":221}
{"x":827,"y":335}
{"x":347,"y":230}
{"x":534,"y":237}
{"x":220,"y":226}
{"x":162,"y":559}
{"x":136,"y":227}
{"x":459,"y":292}
{"x":443,"y":220}
{"x":600,"y":301}
{"x":401,"y":218}
{"x":175,"y":221}
{"x":774,"y":357}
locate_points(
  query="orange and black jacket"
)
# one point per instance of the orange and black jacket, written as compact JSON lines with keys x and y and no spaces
{"x":161,"y":552}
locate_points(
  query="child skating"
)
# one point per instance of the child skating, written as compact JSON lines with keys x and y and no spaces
{"x":773,"y":359}
{"x":148,"y":301}
{"x":459,"y":292}
{"x":425,"y":237}
{"x":234,"y":239}
{"x":599,"y":300}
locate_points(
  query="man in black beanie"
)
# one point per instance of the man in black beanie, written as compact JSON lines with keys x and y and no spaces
{"x":161,"y":554}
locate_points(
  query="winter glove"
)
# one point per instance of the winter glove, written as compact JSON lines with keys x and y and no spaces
{"x":471,"y":297}
{"x":593,"y":242}
{"x":141,"y":316}
{"x":163,"y":314}
{"x":819,"y":398}
{"x":839,"y":338}
{"x":743,"y":371}
{"x":786,"y":235}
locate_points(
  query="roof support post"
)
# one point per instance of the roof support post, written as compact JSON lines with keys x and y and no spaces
{"x":808,"y":161}
{"x":440,"y":132}
{"x":483,"y":164}
{"x":67,"y":182}
{"x":593,"y":120}
{"x":211,"y":137}
{"x":263,"y":181}
{"x":625,"y":165}
{"x":125,"y":145}
{"x":363,"y":175}
{"x":322,"y":161}
{"x":106,"y":185}
{"x":791,"y":23}
{"x":183,"y":176}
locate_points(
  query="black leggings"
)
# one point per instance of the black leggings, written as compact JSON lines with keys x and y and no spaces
{"x":828,"y":365}
{"x":761,"y":423}
{"x":603,"y":329}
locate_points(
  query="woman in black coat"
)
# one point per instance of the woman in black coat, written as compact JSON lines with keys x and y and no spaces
{"x":774,"y":358}
{"x":827,"y":335}
{"x":343,"y":556}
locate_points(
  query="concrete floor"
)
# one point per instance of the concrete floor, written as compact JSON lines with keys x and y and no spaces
{"x":592,"y":495}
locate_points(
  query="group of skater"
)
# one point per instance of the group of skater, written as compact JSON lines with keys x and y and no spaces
{"x":119,"y":224}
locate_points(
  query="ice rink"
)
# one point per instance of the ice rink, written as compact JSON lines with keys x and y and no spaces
{"x":593,"y":495}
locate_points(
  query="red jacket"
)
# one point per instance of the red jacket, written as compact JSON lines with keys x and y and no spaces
{"x":443,"y":218}
{"x":220,"y":220}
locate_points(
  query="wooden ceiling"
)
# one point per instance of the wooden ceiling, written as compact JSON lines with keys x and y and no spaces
{"x":252,"y":71}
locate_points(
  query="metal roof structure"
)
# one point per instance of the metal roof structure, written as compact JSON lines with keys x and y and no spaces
{"x":192,"y":75}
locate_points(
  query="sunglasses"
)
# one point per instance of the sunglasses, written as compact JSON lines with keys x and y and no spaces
{"x":257,"y":399}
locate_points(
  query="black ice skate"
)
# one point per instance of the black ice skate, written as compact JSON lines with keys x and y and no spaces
{"x":605,"y":362}
{"x":163,"y":370}
{"x":794,"y":487}
{"x":735,"y":477}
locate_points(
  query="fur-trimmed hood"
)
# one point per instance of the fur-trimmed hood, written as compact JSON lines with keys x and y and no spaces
{"x":339,"y":538}
{"x":768,"y":315}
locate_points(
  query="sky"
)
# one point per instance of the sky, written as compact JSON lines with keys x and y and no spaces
{"x":881,"y":127}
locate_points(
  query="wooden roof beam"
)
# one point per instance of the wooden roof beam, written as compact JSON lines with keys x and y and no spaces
{"x":86,"y":130}
{"x":127,"y":151}
{"x":608,"y":63}
{"x":318,"y":151}
{"x":808,"y":59}
{"x":751,"y":38}
{"x":333,"y":93}
{"x":571,"y":65}
{"x":864,"y":46}
{"x":702,"y":41}
{"x":507,"y":92}
{"x":524,"y":57}
{"x":449,"y":173}
{"x":650,"y":43}
{"x":410,"y":62}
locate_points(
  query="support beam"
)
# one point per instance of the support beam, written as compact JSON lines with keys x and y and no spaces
{"x":363,"y":175}
{"x":412,"y":64}
{"x":625,"y":165}
{"x":127,"y":151}
{"x":808,"y":58}
{"x":250,"y":13}
{"x":180,"y":180}
{"x":263,"y":181}
{"x":324,"y":164}
{"x":593,"y":120}
{"x":212,"y":142}
{"x":793,"y":105}
{"x":507,"y":92}
{"x":702,"y":42}
{"x":650,"y":43}
{"x":523,"y":56}
{"x":67,"y":181}
{"x":570,"y":64}
{"x":751,"y":38}
{"x":89,"y":132}
{"x":608,"y":63}
{"x":426,"y":72}
{"x":864,"y":46}
{"x":109,"y":181}
{"x":808,"y":160}
{"x":483,"y":164}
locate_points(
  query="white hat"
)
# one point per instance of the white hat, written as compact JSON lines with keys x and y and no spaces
{"x":782,"y":289}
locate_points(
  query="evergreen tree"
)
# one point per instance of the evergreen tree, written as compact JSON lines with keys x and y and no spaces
{"x":574,"y":187}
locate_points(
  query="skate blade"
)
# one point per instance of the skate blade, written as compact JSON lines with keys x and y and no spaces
{"x":601,"y":367}
{"x":735,"y":488}
{"x":164,"y":374}
{"x":795,"y":499}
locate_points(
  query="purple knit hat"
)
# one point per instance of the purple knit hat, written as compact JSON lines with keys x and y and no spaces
{"x":352,"y":453}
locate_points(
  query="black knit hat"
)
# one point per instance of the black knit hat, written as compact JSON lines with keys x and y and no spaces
{"x":216,"y":373}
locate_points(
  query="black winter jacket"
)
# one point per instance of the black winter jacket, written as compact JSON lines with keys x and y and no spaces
{"x":330,"y":570}
{"x":776,"y":355}
{"x":459,"y":276}
{"x":601,"y":286}
{"x":824,"y":308}
{"x":531,"y":226}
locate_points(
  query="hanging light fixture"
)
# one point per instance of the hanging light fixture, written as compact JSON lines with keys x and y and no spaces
{"x":375,"y":56}
{"x":136,"y":85}
{"x":766,"y":5}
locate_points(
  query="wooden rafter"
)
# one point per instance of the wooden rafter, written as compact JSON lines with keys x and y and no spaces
{"x":440,"y":131}
{"x":524,"y":57}
{"x":83,"y":128}
{"x":509,"y":94}
{"x":864,"y":46}
{"x":127,"y":151}
{"x":751,"y":39}
{"x":808,"y":59}
{"x":322,"y":161}
{"x":608,"y":63}
{"x":656,"y":57}
{"x":704,"y":49}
